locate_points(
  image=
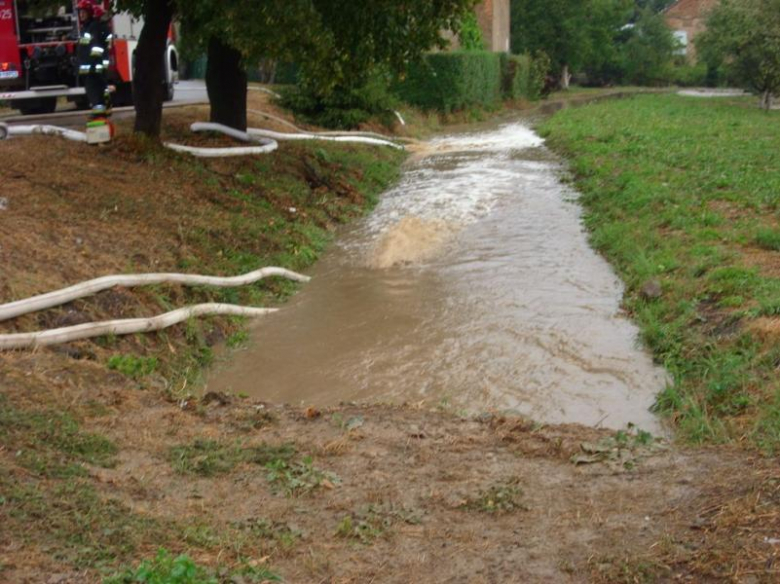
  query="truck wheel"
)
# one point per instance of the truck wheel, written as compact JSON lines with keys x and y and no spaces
{"x":32,"y":107}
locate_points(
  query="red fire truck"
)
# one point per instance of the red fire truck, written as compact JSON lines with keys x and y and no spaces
{"x":38,"y":56}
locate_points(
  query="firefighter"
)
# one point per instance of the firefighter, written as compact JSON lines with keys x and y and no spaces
{"x":92,"y":55}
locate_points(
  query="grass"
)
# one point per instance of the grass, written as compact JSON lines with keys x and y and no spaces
{"x":209,"y":458}
{"x":237,"y":216}
{"x":686,"y":192}
{"x":73,"y":522}
{"x":133,"y":366}
{"x":50,"y":444}
{"x":287,"y":475}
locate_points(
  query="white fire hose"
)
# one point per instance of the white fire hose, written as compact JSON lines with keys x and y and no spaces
{"x":41,"y":129}
{"x":130,"y":326}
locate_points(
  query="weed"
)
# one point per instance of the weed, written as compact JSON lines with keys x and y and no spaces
{"x":347,"y":425}
{"x":164,"y":569}
{"x":502,"y":497}
{"x":297,"y":478}
{"x":281,"y":535}
{"x":237,"y":339}
{"x":205,"y":458}
{"x":133,"y":366}
{"x":621,"y":451}
{"x":373,"y":522}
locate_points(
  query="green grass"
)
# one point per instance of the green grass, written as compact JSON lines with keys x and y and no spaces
{"x":683,"y":190}
{"x":50,"y":444}
{"x":208,"y":458}
{"x":73,"y":522}
{"x":133,"y":366}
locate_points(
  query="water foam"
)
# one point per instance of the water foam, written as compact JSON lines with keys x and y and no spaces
{"x":453,"y":187}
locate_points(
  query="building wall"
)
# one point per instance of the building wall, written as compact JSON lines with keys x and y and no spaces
{"x":494,"y":20}
{"x":689,"y":16}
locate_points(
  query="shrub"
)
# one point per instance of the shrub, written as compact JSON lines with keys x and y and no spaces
{"x":690,"y":75}
{"x":523,"y":77}
{"x":453,"y":81}
{"x":344,"y":107}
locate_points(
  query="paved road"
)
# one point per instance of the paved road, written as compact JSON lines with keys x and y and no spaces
{"x":187,"y":92}
{"x":190,"y":91}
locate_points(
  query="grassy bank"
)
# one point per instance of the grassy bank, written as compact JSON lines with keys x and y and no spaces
{"x":76,"y":212}
{"x":682,"y":195}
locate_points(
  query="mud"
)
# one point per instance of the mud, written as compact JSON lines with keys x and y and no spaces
{"x":472,"y":285}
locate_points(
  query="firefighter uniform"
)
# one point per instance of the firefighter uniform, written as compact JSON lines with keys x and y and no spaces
{"x":93,"y":58}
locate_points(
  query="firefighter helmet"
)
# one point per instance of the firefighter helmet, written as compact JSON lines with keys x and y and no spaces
{"x":86,"y":5}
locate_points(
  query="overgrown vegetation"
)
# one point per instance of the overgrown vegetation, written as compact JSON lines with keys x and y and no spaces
{"x":346,"y":109}
{"x":685,"y":192}
{"x":452,"y":81}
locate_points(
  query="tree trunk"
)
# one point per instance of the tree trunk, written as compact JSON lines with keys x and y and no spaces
{"x":565,"y":78}
{"x":226,"y":85}
{"x":149,"y":89}
{"x":766,"y":100}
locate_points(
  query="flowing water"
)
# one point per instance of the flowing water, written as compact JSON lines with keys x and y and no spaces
{"x":472,"y":284}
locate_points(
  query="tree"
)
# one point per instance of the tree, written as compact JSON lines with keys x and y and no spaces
{"x":149,"y":71}
{"x":574,"y":33}
{"x":649,"y":51}
{"x":338,"y":44}
{"x":744,"y":37}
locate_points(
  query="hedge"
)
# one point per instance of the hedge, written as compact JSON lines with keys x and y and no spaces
{"x":523,"y":76}
{"x":452,"y":81}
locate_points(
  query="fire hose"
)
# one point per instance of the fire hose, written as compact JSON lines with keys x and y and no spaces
{"x":130,"y":326}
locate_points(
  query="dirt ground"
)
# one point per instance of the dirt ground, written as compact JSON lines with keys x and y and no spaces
{"x":100,"y":466}
{"x":408,"y":494}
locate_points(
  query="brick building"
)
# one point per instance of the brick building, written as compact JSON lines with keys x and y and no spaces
{"x":687,"y":18}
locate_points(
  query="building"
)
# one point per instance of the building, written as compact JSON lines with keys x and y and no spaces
{"x":494,"y":20}
{"x":688,"y":19}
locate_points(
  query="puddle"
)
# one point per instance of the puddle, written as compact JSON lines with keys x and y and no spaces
{"x":471,"y":285}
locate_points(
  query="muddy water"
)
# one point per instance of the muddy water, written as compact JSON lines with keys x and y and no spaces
{"x":472,"y":285}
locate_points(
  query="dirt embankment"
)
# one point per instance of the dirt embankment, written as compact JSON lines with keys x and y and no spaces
{"x":105,"y":457}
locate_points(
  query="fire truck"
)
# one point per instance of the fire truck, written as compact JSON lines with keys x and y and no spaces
{"x":38,"y":56}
